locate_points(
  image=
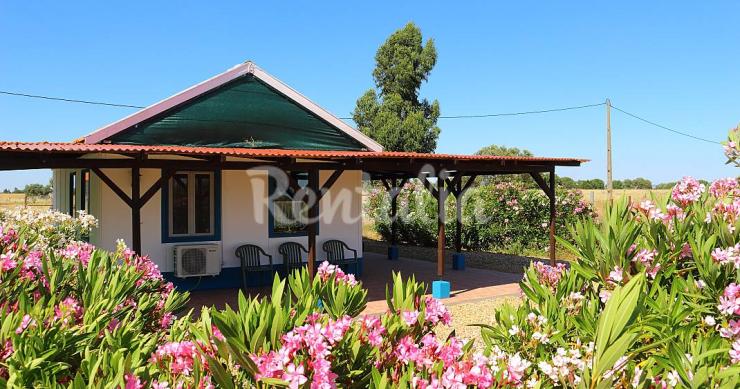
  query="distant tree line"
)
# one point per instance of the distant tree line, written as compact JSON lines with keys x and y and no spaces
{"x":567,"y":182}
{"x":32,"y":190}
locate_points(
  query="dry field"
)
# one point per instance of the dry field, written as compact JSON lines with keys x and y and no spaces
{"x":13,"y":200}
{"x":598,"y":198}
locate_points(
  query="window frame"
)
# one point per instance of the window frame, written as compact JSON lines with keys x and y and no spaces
{"x":215,"y":207}
{"x":271,"y":187}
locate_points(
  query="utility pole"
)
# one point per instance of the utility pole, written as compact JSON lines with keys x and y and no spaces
{"x":609,"y":186}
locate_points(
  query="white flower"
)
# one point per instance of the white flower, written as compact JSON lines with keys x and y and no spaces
{"x":672,"y":378}
{"x":636,"y":377}
{"x":709,"y":320}
{"x":514,"y":330}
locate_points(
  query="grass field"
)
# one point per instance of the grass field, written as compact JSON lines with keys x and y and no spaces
{"x":598,"y":197}
{"x":12,"y":200}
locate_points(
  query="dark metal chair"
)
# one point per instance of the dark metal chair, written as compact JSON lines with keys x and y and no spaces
{"x":292,"y":258}
{"x":250,"y":256}
{"x":335,"y":253}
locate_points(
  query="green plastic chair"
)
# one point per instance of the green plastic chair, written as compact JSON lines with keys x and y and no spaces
{"x":335,"y":253}
{"x":292,"y":258}
{"x":250,"y":256}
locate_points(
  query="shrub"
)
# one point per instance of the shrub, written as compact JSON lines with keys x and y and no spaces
{"x":495,"y":216}
{"x":70,"y":313}
{"x":651,"y":301}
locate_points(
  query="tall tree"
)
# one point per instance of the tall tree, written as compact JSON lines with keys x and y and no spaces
{"x":394,"y":115}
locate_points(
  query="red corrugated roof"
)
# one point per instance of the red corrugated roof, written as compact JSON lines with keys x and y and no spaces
{"x":51,"y":147}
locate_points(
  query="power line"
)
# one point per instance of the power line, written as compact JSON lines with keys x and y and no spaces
{"x":474,"y":116}
{"x":664,"y":127}
{"x":68,"y":100}
{"x":490,"y":115}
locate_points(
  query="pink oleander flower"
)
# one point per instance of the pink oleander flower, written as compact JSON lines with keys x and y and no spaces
{"x":604,"y":295}
{"x":326,"y":270}
{"x":615,"y":276}
{"x":687,"y":191}
{"x":516,"y":367}
{"x":406,"y":350}
{"x":295,"y":375}
{"x":549,"y":275}
{"x":79,"y":251}
{"x":178,"y":357}
{"x":69,"y":311}
{"x":410,"y":317}
{"x":686,"y":251}
{"x":26,"y":322}
{"x":647,"y":258}
{"x":7,"y":263}
{"x":166,"y":321}
{"x":730,"y":255}
{"x":724,"y":187}
{"x":735,"y":352}
{"x":372,"y":330}
{"x":727,"y":211}
{"x":436,"y":312}
{"x":133,"y":382}
{"x":729,"y":302}
{"x":732,"y":331}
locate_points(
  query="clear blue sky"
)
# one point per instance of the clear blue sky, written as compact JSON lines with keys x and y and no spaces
{"x":677,"y":63}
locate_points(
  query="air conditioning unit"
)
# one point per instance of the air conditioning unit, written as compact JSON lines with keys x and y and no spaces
{"x":197,"y":260}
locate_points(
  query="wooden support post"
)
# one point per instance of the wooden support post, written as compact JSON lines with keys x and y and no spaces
{"x":136,"y":210}
{"x":551,"y":195}
{"x":458,"y":223}
{"x":441,"y":197}
{"x":394,"y":215}
{"x":313,"y":219}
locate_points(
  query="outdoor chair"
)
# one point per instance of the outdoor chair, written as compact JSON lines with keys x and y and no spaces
{"x":292,"y":258}
{"x":250,"y":256}
{"x":335,"y":253}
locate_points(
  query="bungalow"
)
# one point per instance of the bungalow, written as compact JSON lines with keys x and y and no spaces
{"x":242,"y":158}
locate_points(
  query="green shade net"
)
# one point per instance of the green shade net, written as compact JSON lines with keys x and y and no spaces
{"x":243,"y":113}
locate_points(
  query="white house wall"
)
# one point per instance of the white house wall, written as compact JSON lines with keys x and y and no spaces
{"x":244,"y":214}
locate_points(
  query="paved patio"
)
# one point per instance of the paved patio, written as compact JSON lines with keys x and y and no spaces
{"x":467,"y":285}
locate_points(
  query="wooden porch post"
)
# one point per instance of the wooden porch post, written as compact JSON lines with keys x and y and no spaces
{"x":394,"y":215}
{"x":441,"y":197}
{"x":136,"y":210}
{"x":458,"y":223}
{"x":313,"y":216}
{"x":551,"y":195}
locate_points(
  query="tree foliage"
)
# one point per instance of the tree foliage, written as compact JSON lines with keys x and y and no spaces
{"x":500,"y":150}
{"x":394,"y":115}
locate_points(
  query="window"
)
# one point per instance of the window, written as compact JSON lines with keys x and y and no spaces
{"x":72,"y":193}
{"x":288,"y":214}
{"x":191,"y":207}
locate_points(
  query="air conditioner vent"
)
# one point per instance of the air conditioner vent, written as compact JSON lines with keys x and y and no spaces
{"x":197,"y":260}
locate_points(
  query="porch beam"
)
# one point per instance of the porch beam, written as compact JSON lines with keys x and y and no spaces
{"x":161,"y":182}
{"x":428,"y":184}
{"x":541,"y":183}
{"x":329,"y":183}
{"x":112,"y":185}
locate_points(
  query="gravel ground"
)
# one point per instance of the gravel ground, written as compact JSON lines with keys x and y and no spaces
{"x":466,"y":314}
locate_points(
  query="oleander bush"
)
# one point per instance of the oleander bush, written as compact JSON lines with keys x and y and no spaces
{"x":652,"y":301}
{"x":502,"y":216}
